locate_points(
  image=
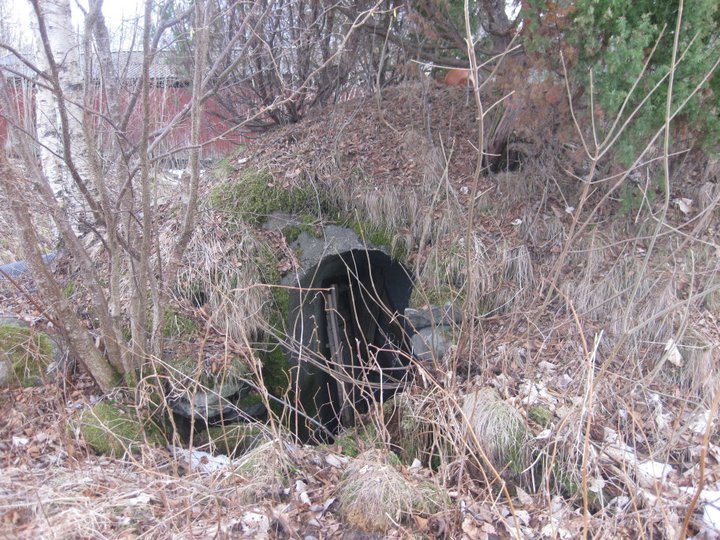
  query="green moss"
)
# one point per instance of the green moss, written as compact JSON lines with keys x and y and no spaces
{"x":177,"y":324}
{"x":371,"y":233}
{"x":347,"y":444}
{"x":281,"y":305}
{"x":111,"y":429}
{"x":276,"y":367}
{"x":276,"y":371}
{"x":354,"y":441}
{"x":540,"y":415}
{"x":378,"y":235}
{"x":254,"y":195}
{"x":187,"y":367}
{"x":69,"y":289}
{"x":291,"y":233}
{"x":308,"y":224}
{"x":27,"y":352}
{"x":224,"y":168}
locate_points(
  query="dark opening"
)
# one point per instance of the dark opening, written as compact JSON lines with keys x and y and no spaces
{"x":347,"y":339}
{"x":507,"y":158}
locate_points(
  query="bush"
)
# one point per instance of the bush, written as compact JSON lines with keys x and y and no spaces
{"x":614,"y":39}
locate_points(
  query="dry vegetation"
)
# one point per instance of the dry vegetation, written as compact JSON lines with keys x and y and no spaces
{"x":587,"y":354}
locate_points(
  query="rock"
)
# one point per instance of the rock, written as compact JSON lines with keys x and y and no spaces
{"x":431,"y":343}
{"x":18,"y":268}
{"x":25,"y":353}
{"x":417,"y":319}
{"x":109,"y":428}
{"x":206,"y":403}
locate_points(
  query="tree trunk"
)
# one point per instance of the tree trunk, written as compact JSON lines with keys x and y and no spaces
{"x":80,"y":341}
{"x":60,"y":111}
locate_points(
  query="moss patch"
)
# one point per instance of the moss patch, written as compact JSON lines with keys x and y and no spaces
{"x":176,"y":324}
{"x":189,"y":369}
{"x":276,"y":371}
{"x":361,"y":438}
{"x":254,"y":195}
{"x":276,"y":367}
{"x":540,"y":415}
{"x":308,"y":224}
{"x":27,"y":352}
{"x":111,"y":429}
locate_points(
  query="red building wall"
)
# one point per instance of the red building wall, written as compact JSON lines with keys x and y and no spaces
{"x":218,"y":137}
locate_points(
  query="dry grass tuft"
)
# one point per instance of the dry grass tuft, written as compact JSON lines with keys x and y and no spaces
{"x":499,"y":428}
{"x":374,"y":496}
{"x":699,"y":365}
{"x":261,"y":472}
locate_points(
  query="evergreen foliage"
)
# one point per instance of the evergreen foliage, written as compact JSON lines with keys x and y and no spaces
{"x":614,"y":39}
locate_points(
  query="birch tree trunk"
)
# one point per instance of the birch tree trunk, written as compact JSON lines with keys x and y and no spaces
{"x":60,"y":108}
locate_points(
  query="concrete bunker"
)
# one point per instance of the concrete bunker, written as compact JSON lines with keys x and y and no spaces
{"x":346,"y":337}
{"x":349,"y":336}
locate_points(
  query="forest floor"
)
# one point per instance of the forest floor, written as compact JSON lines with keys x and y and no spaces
{"x":630,"y":447}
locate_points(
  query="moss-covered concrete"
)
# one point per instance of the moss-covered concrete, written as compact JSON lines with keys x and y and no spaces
{"x":379,"y":236}
{"x":110,"y":428}
{"x":306,"y":224}
{"x":276,"y":367}
{"x":26,"y":353}
{"x":254,"y":195}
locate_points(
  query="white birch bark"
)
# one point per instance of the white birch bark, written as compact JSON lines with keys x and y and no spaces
{"x":60,"y":144}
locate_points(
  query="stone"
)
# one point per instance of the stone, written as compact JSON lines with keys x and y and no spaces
{"x":4,"y":374}
{"x":18,"y":268}
{"x":206,"y":403}
{"x":417,"y":319}
{"x":431,"y":343}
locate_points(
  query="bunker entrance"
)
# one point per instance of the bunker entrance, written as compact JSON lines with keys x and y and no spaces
{"x":347,"y":340}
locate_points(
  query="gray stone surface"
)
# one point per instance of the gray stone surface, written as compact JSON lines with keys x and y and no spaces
{"x":417,"y":319}
{"x":311,"y":250}
{"x":206,"y":403}
{"x":431,"y":343}
{"x":18,"y":268}
{"x":4,"y":373}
